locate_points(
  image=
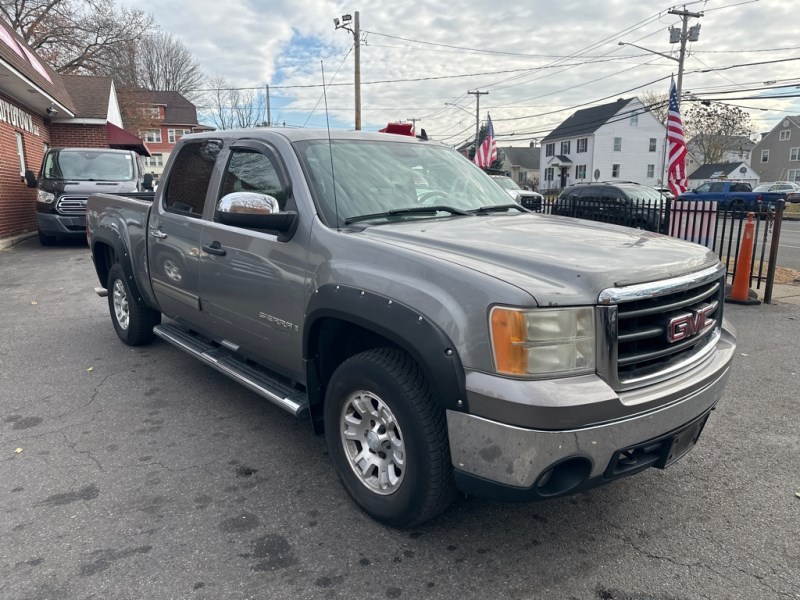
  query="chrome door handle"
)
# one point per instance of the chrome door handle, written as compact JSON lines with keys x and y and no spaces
{"x":157,"y":233}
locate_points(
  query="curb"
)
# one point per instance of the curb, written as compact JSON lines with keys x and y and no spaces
{"x":13,"y":241}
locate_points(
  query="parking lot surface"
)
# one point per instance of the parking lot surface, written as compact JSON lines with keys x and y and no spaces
{"x":141,"y":473}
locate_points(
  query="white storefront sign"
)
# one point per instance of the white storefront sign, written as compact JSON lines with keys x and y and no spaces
{"x":17,"y":117}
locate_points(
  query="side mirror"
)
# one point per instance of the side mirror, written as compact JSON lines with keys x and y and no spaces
{"x":147,"y":182}
{"x":256,"y":211}
{"x":30,"y":178}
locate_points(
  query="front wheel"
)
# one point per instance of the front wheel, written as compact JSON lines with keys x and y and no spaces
{"x":388,"y":438}
{"x":133,"y":319}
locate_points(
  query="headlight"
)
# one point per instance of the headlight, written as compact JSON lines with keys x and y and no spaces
{"x":46,"y":197}
{"x":543,"y":341}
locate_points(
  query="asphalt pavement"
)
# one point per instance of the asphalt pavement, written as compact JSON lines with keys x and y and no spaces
{"x":143,"y":474}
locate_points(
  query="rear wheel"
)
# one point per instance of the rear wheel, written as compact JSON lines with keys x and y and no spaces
{"x":133,"y":320}
{"x":388,"y":438}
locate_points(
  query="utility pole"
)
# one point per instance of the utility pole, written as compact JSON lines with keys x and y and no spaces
{"x":686,"y":34}
{"x":682,"y":35}
{"x":477,"y":95}
{"x":269,"y":114}
{"x":414,"y":121}
{"x":344,"y":23}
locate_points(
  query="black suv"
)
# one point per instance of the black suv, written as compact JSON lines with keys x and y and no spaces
{"x":620,"y":202}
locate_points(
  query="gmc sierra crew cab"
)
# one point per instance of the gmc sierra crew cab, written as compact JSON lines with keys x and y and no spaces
{"x":440,"y":335}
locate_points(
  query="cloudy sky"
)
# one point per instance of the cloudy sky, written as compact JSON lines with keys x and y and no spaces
{"x":540,"y":61}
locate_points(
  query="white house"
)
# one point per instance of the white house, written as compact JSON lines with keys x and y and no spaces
{"x":733,"y":171}
{"x":619,"y":140}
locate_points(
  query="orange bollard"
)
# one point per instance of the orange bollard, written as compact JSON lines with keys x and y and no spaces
{"x":740,"y":290}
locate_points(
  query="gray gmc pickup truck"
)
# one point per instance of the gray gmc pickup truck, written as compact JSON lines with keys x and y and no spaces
{"x":441,"y":336}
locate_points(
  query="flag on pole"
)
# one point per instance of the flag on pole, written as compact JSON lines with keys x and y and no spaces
{"x":487,"y":153}
{"x":676,"y":167}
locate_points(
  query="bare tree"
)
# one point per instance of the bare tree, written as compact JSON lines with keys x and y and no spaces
{"x":227,"y":107}
{"x":715,"y":130}
{"x":76,"y":36}
{"x":164,"y":63}
{"x":657,"y":103}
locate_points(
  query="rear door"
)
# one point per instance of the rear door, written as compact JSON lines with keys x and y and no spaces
{"x":253,"y":283}
{"x":175,"y":230}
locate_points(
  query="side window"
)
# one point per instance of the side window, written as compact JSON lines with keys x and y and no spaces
{"x":189,"y":178}
{"x":251,"y":171}
{"x":716,"y":187}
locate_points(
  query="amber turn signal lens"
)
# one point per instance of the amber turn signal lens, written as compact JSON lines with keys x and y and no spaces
{"x":508,"y":340}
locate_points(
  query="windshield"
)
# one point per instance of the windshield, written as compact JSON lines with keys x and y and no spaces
{"x":506,"y":183}
{"x":762,"y":188}
{"x":89,"y":165}
{"x":374,"y":177}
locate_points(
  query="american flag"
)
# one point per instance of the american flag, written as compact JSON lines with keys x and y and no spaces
{"x":487,"y":153}
{"x":676,"y":168}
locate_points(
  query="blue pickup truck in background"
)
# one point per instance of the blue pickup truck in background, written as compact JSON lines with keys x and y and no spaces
{"x":733,"y":195}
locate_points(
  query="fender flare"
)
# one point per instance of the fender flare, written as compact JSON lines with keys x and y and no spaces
{"x":411,"y":331}
{"x":111,"y":237}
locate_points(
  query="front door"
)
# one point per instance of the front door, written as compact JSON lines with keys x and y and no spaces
{"x":252,"y":284}
{"x":564,"y":171}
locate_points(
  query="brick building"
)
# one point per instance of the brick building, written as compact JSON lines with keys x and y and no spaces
{"x":40,"y":109}
{"x":168,"y":116}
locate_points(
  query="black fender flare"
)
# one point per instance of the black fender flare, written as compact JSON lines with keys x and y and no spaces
{"x":111,"y":237}
{"x":422,"y":339}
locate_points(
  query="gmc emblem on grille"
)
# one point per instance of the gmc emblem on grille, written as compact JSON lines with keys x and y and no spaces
{"x":686,"y":325}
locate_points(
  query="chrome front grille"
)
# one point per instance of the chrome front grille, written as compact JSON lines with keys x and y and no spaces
{"x":657,"y":330}
{"x":71,"y":205}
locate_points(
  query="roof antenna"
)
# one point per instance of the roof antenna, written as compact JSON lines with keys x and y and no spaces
{"x":330,"y":147}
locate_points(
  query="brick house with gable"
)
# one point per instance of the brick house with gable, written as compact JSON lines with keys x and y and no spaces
{"x":40,"y":109}
{"x":170,"y":116}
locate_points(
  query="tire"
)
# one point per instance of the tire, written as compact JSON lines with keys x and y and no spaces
{"x":46,"y":240}
{"x":405,"y":440}
{"x":133,"y":320}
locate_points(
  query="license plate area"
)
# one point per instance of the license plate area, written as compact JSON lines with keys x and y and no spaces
{"x":660,"y":452}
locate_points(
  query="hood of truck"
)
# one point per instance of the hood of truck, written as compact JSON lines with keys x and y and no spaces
{"x":557,"y":260}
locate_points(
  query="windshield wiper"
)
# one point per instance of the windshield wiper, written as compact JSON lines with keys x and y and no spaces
{"x":414,"y":210}
{"x":497,"y":207}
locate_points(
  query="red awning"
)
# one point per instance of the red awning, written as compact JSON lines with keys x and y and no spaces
{"x":125,"y":140}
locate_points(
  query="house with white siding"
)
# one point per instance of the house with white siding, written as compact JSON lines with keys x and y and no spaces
{"x":619,"y":140}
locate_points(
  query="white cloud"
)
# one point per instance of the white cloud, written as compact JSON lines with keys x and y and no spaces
{"x":252,"y":42}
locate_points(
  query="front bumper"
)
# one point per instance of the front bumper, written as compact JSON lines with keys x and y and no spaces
{"x":61,"y":225}
{"x":500,"y":460}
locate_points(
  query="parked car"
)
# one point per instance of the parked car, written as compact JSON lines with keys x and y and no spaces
{"x":622,"y":203}
{"x":736,"y":196}
{"x":69,"y":175}
{"x":791,"y":189}
{"x":666,"y":192}
{"x":451,"y":341}
{"x":529,"y":199}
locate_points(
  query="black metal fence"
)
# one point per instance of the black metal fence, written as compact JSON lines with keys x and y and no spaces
{"x":716,"y":225}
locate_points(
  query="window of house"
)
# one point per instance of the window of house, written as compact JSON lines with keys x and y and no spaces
{"x":635,"y":121}
{"x":794,"y":175}
{"x":765,"y":156}
{"x":651,"y":171}
{"x":565,"y":147}
{"x":152,"y":112}
{"x":580,"y":171}
{"x":548,"y":174}
{"x":653,"y":142}
{"x":189,"y":178}
{"x":615,"y":171}
{"x":20,"y":153}
{"x":550,"y":149}
{"x":152,"y":135}
{"x":156,"y":160}
{"x":617,"y":144}
{"x":582,"y":144}
{"x":785,"y":135}
{"x":794,"y":154}
{"x":173,"y":135}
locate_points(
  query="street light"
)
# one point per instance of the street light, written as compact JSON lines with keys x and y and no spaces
{"x":356,"y":31}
